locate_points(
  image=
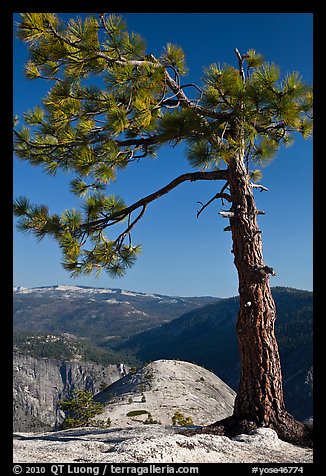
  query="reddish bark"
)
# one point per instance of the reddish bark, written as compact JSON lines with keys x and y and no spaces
{"x":259,"y":400}
{"x":260,"y":392}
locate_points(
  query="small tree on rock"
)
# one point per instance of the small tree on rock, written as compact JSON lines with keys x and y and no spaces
{"x":179,"y":419}
{"x":81,"y":410}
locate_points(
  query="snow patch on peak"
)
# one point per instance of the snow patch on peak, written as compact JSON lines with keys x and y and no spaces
{"x":22,"y":290}
{"x":63,"y":288}
{"x":131,"y":293}
{"x":112,"y":301}
{"x":66,"y":287}
{"x":134,"y":293}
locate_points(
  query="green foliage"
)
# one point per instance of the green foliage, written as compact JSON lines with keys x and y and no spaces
{"x":137,"y":413}
{"x":71,"y":422}
{"x":255,"y":175}
{"x":103,"y":386}
{"x":265,"y":150}
{"x":81,"y":410}
{"x":95,"y":131}
{"x":202,"y":155}
{"x":69,"y":231}
{"x":101,"y":423}
{"x":267,"y":74}
{"x":35,"y":116}
{"x":118,"y":120}
{"x":180,"y":124}
{"x":179,"y":419}
{"x":151,"y":421}
{"x":254,"y":59}
{"x":149,"y":375}
{"x":174,"y":56}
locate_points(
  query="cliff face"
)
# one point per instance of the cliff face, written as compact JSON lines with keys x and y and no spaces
{"x":40,"y":383}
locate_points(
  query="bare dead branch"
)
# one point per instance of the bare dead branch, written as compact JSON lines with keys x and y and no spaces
{"x":257,"y":185}
{"x":228,"y":214}
{"x":240,"y":61}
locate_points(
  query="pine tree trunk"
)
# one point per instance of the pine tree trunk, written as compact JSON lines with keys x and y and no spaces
{"x":260,"y":393}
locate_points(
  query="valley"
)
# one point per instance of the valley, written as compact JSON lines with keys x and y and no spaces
{"x":75,"y":327}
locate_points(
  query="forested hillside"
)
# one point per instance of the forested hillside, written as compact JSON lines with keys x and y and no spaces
{"x":68,"y":347}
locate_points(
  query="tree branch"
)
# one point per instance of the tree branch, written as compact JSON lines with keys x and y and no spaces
{"x":119,"y":215}
{"x":221,"y":195}
{"x":122,"y":236}
{"x":185,"y":102}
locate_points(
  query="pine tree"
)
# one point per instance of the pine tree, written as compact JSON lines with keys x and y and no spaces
{"x":242,"y":116}
{"x":81,"y":409}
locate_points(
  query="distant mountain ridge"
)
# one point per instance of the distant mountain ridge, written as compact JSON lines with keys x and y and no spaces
{"x":96,"y":312}
{"x":97,"y":290}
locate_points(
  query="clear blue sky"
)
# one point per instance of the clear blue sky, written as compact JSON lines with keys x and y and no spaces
{"x":183,"y":255}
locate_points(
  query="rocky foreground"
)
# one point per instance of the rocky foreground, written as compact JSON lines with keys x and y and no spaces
{"x":160,"y":388}
{"x":154,"y":444}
